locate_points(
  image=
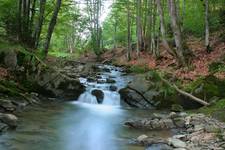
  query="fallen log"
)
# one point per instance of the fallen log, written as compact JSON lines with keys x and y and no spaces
{"x":192,"y":97}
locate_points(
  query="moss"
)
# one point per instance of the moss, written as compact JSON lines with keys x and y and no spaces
{"x":207,"y":87}
{"x":138,"y":69}
{"x":216,"y":110}
{"x":217,"y":67}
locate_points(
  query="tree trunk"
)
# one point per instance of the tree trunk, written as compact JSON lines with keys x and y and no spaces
{"x":51,"y":27}
{"x":177,"y":33}
{"x":207,"y":45}
{"x":40,"y":23}
{"x":32,"y":16}
{"x":162,"y":28}
{"x":128,"y":32}
{"x":153,"y":27}
{"x":20,"y":19}
{"x":115,"y":32}
{"x":139,"y":27}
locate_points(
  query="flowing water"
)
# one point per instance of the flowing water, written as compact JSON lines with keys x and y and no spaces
{"x":80,"y":125}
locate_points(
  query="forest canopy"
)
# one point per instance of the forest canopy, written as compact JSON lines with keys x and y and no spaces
{"x":73,"y":27}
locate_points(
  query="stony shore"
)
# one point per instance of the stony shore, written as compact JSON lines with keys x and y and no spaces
{"x":194,"y":132}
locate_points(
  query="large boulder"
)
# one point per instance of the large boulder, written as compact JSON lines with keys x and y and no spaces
{"x":58,"y":85}
{"x":133,"y":99}
{"x":145,"y":92}
{"x":99,"y":95}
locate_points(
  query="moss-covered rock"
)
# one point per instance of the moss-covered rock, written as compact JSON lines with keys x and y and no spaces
{"x":148,"y":89}
{"x":207,"y":88}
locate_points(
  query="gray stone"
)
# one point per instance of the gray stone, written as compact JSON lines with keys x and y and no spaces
{"x":169,"y":123}
{"x":52,"y":84}
{"x":7,"y":105}
{"x":3,"y":127}
{"x":112,"y":88}
{"x":108,"y":80}
{"x":173,"y":115}
{"x":98,"y":94}
{"x":176,"y":143}
{"x":155,"y":124}
{"x":179,"y":122}
{"x":9,"y":119}
{"x":198,"y":127}
{"x":142,"y":137}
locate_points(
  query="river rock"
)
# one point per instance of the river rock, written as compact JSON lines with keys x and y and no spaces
{"x":176,"y":143}
{"x":112,"y":88}
{"x":90,"y":79}
{"x":7,"y":105}
{"x":99,"y":95}
{"x":3,"y":126}
{"x":57,"y":85}
{"x":148,"y":91}
{"x":133,"y":99}
{"x":179,"y":122}
{"x":108,"y":80}
{"x":9,"y":119}
{"x":106,"y":70}
{"x":142,"y":137}
{"x":101,"y":81}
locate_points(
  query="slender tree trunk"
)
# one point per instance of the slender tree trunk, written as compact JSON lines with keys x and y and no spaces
{"x":32,"y":16}
{"x":162,"y":27}
{"x":51,"y":27}
{"x":40,"y":23}
{"x":149,"y":25}
{"x":153,"y":27}
{"x":20,"y":19}
{"x":207,"y":45}
{"x":115,"y":32}
{"x":128,"y":32}
{"x":183,"y":14}
{"x":139,"y":27}
{"x":177,"y":33}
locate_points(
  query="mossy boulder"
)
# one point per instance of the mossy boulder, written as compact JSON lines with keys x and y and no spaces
{"x":58,"y":85}
{"x":207,"y":88}
{"x":149,"y":89}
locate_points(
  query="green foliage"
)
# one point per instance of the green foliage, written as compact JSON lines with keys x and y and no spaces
{"x":217,"y":67}
{"x":138,"y":69}
{"x":217,"y":109}
{"x":207,"y":87}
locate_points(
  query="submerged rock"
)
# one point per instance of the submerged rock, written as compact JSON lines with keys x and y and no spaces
{"x":108,"y":80}
{"x":112,"y":88}
{"x":9,"y":119}
{"x":99,"y":95}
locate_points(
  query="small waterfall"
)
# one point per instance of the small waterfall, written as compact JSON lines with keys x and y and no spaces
{"x":86,"y":97}
{"x":110,"y":97}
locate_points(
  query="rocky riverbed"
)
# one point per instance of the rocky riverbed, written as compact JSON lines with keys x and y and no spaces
{"x":195,"y":131}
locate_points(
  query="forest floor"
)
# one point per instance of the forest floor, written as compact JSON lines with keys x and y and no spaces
{"x":166,"y":63}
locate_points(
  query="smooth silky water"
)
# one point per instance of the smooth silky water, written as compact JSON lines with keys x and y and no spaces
{"x":80,"y":125}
